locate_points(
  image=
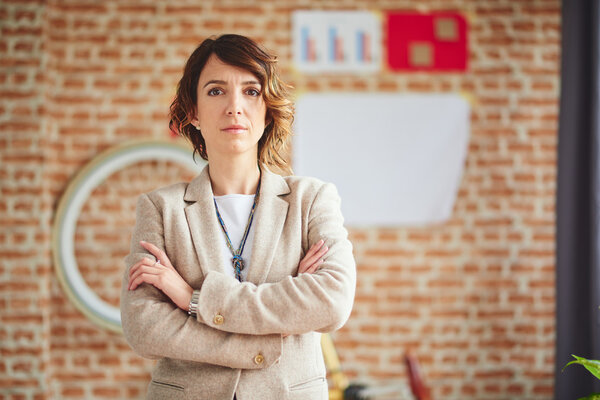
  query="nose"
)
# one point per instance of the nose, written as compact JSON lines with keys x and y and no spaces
{"x":234,"y":107}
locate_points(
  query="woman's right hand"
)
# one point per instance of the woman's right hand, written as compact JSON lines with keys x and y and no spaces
{"x":313,"y":258}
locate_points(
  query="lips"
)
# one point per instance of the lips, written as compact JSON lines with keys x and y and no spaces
{"x":235,"y":129}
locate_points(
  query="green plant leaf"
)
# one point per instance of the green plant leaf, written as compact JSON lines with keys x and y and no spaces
{"x":595,"y":396}
{"x":591,"y":365}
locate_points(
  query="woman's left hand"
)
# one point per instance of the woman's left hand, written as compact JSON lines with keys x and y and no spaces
{"x":162,"y":275}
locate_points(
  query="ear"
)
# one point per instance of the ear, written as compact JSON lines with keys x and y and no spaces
{"x":195,"y":122}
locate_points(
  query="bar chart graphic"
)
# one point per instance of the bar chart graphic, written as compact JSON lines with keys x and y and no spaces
{"x":336,"y":41}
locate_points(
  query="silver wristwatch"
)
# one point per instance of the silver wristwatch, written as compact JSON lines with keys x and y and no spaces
{"x":193,"y":307}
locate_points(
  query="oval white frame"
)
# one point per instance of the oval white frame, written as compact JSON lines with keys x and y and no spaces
{"x":69,"y":209}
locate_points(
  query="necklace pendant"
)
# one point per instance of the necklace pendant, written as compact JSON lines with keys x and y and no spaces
{"x":238,"y":263}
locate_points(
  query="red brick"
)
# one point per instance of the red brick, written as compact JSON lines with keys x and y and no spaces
{"x":73,"y":391}
{"x":248,"y":10}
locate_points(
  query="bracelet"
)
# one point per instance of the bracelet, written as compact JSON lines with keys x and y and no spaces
{"x":193,"y":307}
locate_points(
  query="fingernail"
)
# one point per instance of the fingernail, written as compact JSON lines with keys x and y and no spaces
{"x":142,"y":242}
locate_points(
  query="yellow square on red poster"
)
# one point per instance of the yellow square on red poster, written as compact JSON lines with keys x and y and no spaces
{"x":430,"y":42}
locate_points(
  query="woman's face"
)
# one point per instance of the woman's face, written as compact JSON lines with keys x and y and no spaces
{"x":231,"y":111}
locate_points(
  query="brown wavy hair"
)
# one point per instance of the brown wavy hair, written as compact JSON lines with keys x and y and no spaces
{"x":242,"y":52}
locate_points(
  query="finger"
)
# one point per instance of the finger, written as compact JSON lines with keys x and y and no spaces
{"x":152,"y":249}
{"x":315,"y":257}
{"x":323,"y":251}
{"x":144,"y":270}
{"x":143,"y":265}
{"x":315,"y":247}
{"x":302,"y":268}
{"x":158,"y":253}
{"x":137,"y":265}
{"x":313,"y":268}
{"x":316,"y":251}
{"x":310,"y":268}
{"x":318,"y":244}
{"x":304,"y":265}
{"x":312,"y":251}
{"x":144,"y":278}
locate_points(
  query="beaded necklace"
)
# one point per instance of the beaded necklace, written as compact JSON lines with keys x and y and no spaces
{"x":237,"y":260}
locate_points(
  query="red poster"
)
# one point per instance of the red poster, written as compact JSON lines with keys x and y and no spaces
{"x":427,"y":42}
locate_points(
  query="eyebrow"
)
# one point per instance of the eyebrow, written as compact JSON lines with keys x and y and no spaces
{"x":218,"y":82}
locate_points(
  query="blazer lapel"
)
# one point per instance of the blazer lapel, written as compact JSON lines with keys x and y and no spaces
{"x":269,"y":218}
{"x":202,"y":220}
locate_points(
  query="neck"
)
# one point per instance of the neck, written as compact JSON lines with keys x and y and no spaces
{"x":229,"y":177}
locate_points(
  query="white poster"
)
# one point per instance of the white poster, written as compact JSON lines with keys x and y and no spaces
{"x":334,"y":41}
{"x":395,"y":159}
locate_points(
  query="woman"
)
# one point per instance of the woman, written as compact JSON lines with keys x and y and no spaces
{"x":227,"y":320}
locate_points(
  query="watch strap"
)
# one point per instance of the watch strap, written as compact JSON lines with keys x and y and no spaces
{"x":193,"y":307}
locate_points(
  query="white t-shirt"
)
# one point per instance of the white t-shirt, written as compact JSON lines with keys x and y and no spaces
{"x":235,"y":210}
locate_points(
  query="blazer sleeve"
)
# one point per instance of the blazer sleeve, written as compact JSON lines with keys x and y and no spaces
{"x":155,"y":327}
{"x":321,"y":301}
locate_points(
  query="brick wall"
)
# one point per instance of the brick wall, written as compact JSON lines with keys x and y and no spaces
{"x":474,"y":297}
{"x":25,"y":205}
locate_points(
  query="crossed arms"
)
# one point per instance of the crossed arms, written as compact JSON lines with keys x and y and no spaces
{"x":154,"y":305}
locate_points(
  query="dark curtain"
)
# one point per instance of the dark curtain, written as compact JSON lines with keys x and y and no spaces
{"x":578,"y":201}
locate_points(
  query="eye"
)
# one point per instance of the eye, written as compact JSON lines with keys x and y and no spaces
{"x":253,"y":92}
{"x":215,"y":92}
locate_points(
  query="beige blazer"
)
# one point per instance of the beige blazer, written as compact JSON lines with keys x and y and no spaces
{"x":235,"y":343}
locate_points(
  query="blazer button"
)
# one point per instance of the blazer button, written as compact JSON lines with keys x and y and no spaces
{"x":218,"y":319}
{"x":259,"y":359}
